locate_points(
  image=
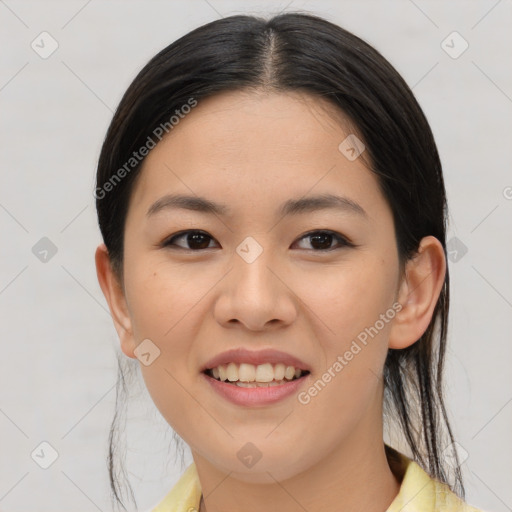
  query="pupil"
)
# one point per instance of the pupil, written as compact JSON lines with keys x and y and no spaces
{"x":324,"y":237}
{"x":194,"y":241}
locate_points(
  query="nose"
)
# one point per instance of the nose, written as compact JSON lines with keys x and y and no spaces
{"x":256,"y":294}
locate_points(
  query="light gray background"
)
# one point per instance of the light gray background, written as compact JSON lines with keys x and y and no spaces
{"x":58,"y":342}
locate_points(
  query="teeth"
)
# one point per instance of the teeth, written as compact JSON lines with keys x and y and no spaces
{"x":232,"y":372}
{"x":289,"y":372}
{"x":222,"y":372}
{"x":279,"y":370}
{"x":259,"y":384}
{"x":249,"y":375}
{"x":264,"y":373}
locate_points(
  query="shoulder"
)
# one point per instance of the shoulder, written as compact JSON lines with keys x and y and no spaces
{"x":184,"y":496}
{"x":419,"y":492}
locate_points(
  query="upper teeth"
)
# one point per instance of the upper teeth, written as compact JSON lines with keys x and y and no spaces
{"x":250,"y":373}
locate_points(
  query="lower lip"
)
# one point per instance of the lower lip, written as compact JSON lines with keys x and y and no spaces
{"x":253,"y":397}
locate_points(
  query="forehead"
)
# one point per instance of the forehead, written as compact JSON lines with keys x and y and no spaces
{"x":241,"y":120}
{"x":256,"y":146}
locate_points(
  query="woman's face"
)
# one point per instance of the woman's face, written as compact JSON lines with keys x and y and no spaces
{"x":259,"y":277}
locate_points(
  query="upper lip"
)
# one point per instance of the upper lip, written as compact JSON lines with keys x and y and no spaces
{"x":255,"y":357}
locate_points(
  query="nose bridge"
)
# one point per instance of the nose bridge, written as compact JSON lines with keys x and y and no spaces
{"x":252,"y":261}
{"x":254,"y":295}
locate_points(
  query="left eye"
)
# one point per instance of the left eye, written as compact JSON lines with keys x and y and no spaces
{"x":319,"y":240}
{"x":322,"y":240}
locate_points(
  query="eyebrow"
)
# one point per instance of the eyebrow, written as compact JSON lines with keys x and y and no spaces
{"x":290,"y":207}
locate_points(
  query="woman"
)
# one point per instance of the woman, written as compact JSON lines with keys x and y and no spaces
{"x":273,"y":213}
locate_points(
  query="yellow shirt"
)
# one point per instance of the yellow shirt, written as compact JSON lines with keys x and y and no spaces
{"x":418,"y":492}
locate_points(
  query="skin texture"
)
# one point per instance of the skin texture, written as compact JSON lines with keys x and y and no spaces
{"x":253,"y":151}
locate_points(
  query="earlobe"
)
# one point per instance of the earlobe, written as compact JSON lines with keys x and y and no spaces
{"x":418,"y":294}
{"x":114,"y":295}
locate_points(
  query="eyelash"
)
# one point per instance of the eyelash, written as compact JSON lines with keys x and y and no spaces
{"x":342,"y":241}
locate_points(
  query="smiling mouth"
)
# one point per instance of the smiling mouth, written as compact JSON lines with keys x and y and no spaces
{"x":252,"y":376}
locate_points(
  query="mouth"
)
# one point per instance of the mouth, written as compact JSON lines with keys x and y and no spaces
{"x":246,"y":375}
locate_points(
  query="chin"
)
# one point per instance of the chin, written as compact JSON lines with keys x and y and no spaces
{"x":266,"y":470}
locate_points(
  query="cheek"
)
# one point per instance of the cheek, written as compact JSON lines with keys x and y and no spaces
{"x":355,"y":308}
{"x":165,"y":303}
{"x":349,"y":298}
{"x":354,"y":340}
{"x":158,"y":298}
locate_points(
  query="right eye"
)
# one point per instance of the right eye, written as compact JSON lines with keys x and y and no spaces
{"x":196,"y":239}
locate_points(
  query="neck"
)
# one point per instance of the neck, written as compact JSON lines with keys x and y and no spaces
{"x":355,"y":476}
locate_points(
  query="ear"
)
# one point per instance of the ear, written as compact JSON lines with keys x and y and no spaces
{"x":114,"y":294}
{"x":418,"y":293}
